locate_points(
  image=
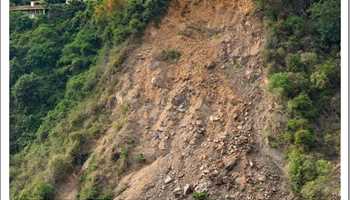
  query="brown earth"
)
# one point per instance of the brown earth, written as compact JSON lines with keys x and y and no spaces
{"x":198,"y":121}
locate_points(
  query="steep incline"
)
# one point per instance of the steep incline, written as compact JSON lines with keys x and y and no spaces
{"x":194,"y":124}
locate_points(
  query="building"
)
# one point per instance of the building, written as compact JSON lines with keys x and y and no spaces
{"x":34,"y":9}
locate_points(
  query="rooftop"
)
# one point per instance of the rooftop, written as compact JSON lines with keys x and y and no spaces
{"x":27,"y":8}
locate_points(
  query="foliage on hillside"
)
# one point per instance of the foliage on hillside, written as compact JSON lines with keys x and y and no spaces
{"x":302,"y":56}
{"x":58,"y":92}
{"x":37,"y":80}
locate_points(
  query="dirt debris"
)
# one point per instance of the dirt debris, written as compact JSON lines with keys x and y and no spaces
{"x":197,"y":121}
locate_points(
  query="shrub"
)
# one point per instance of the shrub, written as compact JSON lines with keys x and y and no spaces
{"x":326,"y":75}
{"x":297,"y":123}
{"x":319,"y":80}
{"x":80,"y":53}
{"x":294,"y":63}
{"x":43,"y":191}
{"x":200,"y":196}
{"x":287,"y":84}
{"x":281,"y":52}
{"x":319,"y":188}
{"x":293,"y":125}
{"x":300,"y":169}
{"x":92,"y":185}
{"x":301,"y":106}
{"x":309,"y":58}
{"x":88,"y":191}
{"x":269,"y":8}
{"x":80,"y":85}
{"x":293,"y":25}
{"x":304,"y":137}
{"x":124,"y":153}
{"x":316,"y":189}
{"x":141,"y":158}
{"x":26,"y":90}
{"x":332,"y":140}
{"x":171,"y":55}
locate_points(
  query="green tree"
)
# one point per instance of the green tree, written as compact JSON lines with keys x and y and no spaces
{"x":325,"y":18}
{"x":20,"y":22}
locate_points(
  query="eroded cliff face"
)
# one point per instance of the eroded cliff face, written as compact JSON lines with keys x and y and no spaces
{"x":193,"y":109}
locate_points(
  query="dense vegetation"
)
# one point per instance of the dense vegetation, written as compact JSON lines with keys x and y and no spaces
{"x":37,"y":78}
{"x":58,"y":79}
{"x":303,"y":60}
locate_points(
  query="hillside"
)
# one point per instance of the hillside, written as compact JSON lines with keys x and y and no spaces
{"x":170,"y":100}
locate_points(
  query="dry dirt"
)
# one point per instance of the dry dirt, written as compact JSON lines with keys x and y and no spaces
{"x":199,"y":121}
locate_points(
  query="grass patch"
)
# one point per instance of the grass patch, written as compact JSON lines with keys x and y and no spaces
{"x":200,"y":196}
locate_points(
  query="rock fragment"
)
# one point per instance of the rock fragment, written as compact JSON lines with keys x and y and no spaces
{"x":168,"y":179}
{"x":231,"y":164}
{"x":177,"y":191}
{"x":187,"y":189}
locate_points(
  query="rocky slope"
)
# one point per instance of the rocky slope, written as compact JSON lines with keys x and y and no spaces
{"x":191,"y":123}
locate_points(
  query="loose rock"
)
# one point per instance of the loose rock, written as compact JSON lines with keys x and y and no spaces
{"x":187,"y":189}
{"x":231,"y":164}
{"x":168,"y":179}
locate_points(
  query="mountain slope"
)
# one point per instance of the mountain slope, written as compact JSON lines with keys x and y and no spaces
{"x":195,"y":110}
{"x":180,"y":99}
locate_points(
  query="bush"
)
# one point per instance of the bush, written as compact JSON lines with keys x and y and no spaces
{"x":309,"y":59}
{"x":326,"y":75}
{"x":323,"y":167}
{"x":319,"y":80}
{"x":141,"y":158}
{"x":88,"y":191}
{"x":303,"y":169}
{"x":297,"y":123}
{"x":300,"y":169}
{"x":171,"y":55}
{"x":41,"y":191}
{"x":93,"y":189}
{"x":44,"y":191}
{"x":200,"y":196}
{"x":293,"y":25}
{"x":293,"y":125}
{"x":294,"y":63}
{"x":301,"y":106}
{"x":268,"y":7}
{"x":304,"y":137}
{"x":319,"y":189}
{"x":287,"y":84}
{"x":316,"y":189}
{"x":332,"y":140}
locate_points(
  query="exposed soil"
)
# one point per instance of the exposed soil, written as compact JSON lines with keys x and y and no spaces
{"x":68,"y":189}
{"x":198,"y":121}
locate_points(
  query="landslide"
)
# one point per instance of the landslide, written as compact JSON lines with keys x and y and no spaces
{"x":188,"y":112}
